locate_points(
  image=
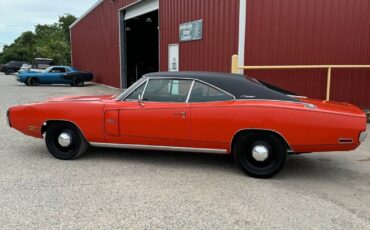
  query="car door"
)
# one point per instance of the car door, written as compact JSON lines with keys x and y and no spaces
{"x":160,"y":117}
{"x":54,"y":75}
{"x":212,"y":116}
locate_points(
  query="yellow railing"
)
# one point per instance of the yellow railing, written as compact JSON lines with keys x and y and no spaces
{"x":235,"y":69}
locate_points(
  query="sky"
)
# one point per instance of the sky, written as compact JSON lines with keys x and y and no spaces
{"x":17,"y":16}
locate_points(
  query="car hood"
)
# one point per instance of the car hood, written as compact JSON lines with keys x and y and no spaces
{"x":334,"y":107}
{"x":81,"y":98}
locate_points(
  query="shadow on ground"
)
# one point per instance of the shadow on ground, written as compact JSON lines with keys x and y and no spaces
{"x":300,"y":167}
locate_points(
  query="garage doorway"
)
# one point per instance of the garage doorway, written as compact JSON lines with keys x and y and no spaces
{"x":139,"y":41}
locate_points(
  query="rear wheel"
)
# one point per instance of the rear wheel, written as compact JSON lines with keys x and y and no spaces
{"x":65,"y":141}
{"x":78,"y":82}
{"x":32,"y":81}
{"x":260,"y":155}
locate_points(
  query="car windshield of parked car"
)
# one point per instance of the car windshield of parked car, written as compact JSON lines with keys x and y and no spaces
{"x":167,"y":90}
{"x":205,"y":93}
{"x":47,"y":69}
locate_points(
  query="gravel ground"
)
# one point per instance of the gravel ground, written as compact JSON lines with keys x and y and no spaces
{"x":110,"y":188}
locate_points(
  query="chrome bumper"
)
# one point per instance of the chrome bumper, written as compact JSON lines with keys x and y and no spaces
{"x":362,"y":137}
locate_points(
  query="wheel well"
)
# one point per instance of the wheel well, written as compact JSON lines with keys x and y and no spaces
{"x":45,"y":125}
{"x":32,"y":78}
{"x":255,"y":131}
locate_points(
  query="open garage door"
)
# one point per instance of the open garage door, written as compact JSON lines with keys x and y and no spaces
{"x":140,"y":39}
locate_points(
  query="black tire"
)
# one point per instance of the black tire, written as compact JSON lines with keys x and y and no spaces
{"x":272,"y":165}
{"x":78,"y":82}
{"x":26,"y":82}
{"x":77,"y":147}
{"x":9,"y":71}
{"x":32,"y":81}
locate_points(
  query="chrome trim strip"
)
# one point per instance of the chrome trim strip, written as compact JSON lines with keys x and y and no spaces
{"x":158,"y":147}
{"x":189,"y":93}
{"x":259,"y":99}
{"x":345,"y":141}
{"x":130,"y":89}
{"x":146,"y":84}
{"x":296,"y":96}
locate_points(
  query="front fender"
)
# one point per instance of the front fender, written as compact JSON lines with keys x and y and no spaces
{"x":29,"y":119}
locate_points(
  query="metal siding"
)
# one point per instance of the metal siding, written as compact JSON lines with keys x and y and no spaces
{"x":305,"y":32}
{"x":95,"y":42}
{"x":220,"y":33}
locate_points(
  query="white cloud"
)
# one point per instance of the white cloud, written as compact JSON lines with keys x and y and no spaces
{"x":17,"y":16}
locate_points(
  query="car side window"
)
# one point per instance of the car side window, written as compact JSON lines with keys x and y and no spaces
{"x":204,"y":93}
{"x":135,"y":94}
{"x":57,"y":70}
{"x":167,"y":90}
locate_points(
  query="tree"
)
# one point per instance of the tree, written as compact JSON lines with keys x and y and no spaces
{"x":64,"y":22}
{"x":49,"y":41}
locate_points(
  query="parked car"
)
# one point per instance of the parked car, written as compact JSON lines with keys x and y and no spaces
{"x":25,"y":67}
{"x":42,"y":63}
{"x":55,"y":75}
{"x":196,"y":112}
{"x":12,"y":67}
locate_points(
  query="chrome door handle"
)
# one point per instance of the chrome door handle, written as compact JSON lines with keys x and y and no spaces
{"x":182,"y":114}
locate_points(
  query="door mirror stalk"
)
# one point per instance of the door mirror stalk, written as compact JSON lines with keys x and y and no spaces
{"x":140,"y":99}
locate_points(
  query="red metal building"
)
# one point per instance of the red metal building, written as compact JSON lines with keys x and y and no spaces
{"x":115,"y":40}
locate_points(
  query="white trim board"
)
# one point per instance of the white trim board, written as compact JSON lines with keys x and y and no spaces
{"x":242,"y":29}
{"x":141,"y":8}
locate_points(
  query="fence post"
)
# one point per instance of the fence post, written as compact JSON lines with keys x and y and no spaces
{"x":234,"y":64}
{"x":328,"y":84}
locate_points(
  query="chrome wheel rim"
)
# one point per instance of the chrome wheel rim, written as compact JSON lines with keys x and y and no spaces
{"x":260,"y":153}
{"x":64,"y":139}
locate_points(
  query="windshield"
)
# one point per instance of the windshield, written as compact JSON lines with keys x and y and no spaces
{"x":133,"y":86}
{"x":47,"y":69}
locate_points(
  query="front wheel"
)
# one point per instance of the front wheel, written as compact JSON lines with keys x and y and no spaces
{"x":78,"y":82}
{"x":65,"y":141}
{"x":32,"y":81}
{"x":260,"y":155}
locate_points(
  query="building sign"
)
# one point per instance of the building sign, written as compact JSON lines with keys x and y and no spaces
{"x":191,"y":31}
{"x":173,"y":57}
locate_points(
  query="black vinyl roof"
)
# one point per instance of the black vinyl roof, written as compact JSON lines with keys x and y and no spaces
{"x":240,"y":86}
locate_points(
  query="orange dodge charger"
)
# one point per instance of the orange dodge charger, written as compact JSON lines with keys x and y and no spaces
{"x":196,"y":112}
